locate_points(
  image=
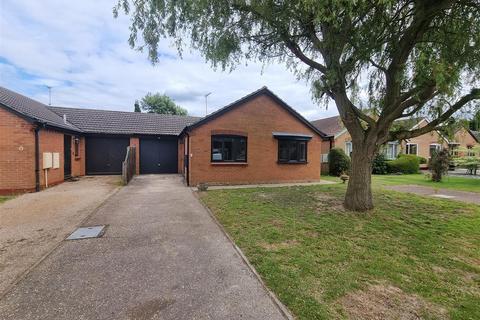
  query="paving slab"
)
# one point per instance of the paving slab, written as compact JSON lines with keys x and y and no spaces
{"x":464,"y":196}
{"x":162,"y":256}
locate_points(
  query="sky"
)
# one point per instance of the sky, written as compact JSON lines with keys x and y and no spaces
{"x":81,"y":51}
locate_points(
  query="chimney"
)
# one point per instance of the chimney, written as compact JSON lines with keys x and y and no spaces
{"x":65,"y":118}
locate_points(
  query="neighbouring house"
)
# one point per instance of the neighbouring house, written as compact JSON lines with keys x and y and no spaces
{"x":422,"y":146}
{"x":257,"y":139}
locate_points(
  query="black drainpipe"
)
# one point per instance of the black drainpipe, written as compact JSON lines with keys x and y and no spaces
{"x":187,"y":158}
{"x":37,"y":160}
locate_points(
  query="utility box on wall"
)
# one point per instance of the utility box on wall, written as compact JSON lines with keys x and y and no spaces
{"x":56,"y":160}
{"x":47,"y":160}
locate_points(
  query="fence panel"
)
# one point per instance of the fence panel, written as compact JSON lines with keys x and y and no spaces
{"x":129,"y":165}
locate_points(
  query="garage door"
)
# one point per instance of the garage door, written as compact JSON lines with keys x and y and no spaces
{"x":158,"y":155}
{"x":105,"y":155}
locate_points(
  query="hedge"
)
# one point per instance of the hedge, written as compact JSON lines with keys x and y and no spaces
{"x":405,"y":163}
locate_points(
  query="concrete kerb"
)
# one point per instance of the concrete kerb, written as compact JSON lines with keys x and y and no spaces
{"x":283,"y":309}
{"x":24,"y":274}
{"x":266,"y":185}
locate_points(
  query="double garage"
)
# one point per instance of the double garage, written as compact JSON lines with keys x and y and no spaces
{"x":105,"y":154}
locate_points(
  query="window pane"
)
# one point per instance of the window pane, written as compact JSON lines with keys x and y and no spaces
{"x":293,"y":152}
{"x":217,"y":150}
{"x":227,"y":149}
{"x":283,"y":150}
{"x":302,"y":155}
{"x":413,"y":149}
{"x":240,"y":149}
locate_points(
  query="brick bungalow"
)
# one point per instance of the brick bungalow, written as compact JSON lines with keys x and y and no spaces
{"x":258,"y":138}
{"x":422,"y":146}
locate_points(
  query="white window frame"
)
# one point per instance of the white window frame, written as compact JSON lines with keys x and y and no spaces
{"x":395,"y":150}
{"x":437,"y":145}
{"x":348,"y":145}
{"x":411,"y":144}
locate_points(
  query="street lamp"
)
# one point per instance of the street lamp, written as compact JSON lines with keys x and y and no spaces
{"x":206,"y":104}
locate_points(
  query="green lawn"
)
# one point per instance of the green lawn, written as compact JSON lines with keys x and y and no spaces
{"x":410,"y":256}
{"x":5,"y":198}
{"x":449,"y":182}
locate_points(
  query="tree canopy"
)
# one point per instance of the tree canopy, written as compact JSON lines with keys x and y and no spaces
{"x":161,"y":103}
{"x":400,"y":58}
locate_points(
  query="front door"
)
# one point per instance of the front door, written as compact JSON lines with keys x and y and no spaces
{"x":67,"y":156}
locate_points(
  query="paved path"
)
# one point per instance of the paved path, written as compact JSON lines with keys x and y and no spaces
{"x":469,"y":197}
{"x":162,"y":257}
{"x":33,"y":224}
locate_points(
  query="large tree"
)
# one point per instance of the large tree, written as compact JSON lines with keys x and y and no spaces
{"x":161,"y":103}
{"x":411,"y":56}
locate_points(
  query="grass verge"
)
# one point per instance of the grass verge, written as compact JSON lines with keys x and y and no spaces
{"x":409,"y":257}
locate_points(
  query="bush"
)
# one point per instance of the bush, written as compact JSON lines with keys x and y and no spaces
{"x":405,"y":163}
{"x":338,"y":162}
{"x":379,"y":165}
{"x":439,"y":164}
{"x":422,"y":160}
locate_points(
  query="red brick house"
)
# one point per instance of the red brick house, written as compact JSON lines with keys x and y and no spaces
{"x":258,"y":138}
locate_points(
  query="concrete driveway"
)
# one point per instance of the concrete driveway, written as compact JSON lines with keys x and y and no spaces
{"x":31,"y":225}
{"x":162,"y":257}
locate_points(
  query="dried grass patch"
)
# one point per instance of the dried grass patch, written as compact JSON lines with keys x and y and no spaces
{"x":383,"y":302}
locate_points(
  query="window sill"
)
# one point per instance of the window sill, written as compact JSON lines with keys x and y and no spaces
{"x":282,"y":162}
{"x":78,"y":158}
{"x":229,"y":163}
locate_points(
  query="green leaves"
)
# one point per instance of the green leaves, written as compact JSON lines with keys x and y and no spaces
{"x":161,"y":103}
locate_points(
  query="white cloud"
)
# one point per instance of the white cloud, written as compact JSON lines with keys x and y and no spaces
{"x":82,"y":51}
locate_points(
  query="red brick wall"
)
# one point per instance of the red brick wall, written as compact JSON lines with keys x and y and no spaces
{"x":135,"y":142}
{"x":257,"y":118}
{"x":17,"y":153}
{"x":51,"y":141}
{"x":181,"y":152}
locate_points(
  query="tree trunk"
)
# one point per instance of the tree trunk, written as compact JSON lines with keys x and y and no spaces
{"x":359,"y":190}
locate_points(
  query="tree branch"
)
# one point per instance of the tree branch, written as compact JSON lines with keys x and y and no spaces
{"x":406,"y":134}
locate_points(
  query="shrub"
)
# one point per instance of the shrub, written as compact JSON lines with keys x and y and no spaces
{"x":405,"y":163}
{"x":338,"y":162}
{"x":439,"y":164}
{"x":379,"y":165}
{"x":422,"y":160}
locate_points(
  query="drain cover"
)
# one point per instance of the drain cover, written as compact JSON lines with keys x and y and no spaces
{"x":443,"y":196}
{"x":87,"y":232}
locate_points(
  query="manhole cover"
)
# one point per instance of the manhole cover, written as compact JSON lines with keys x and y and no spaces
{"x":87,"y":232}
{"x":443,"y":196}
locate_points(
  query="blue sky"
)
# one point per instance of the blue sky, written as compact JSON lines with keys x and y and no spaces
{"x":79,"y":49}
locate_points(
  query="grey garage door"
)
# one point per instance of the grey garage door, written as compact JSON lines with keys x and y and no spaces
{"x":158,"y":155}
{"x":104,"y":155}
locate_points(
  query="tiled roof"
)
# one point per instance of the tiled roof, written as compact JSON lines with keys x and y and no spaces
{"x":476,"y":135}
{"x":334,"y":125}
{"x":119,"y":122}
{"x":331,"y":126}
{"x":32,"y":109}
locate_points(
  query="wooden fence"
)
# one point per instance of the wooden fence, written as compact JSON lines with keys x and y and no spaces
{"x":129,"y":165}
